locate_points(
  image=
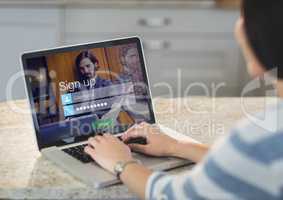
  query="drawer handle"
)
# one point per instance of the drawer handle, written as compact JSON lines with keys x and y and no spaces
{"x":154,"y":22}
{"x":156,"y":45}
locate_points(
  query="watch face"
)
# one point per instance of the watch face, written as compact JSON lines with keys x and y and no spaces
{"x":118,"y":168}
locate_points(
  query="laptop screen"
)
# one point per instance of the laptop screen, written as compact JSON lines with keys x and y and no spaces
{"x":77,"y":92}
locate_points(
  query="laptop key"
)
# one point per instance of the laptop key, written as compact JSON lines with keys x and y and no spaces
{"x":78,"y":153}
{"x":137,"y":140}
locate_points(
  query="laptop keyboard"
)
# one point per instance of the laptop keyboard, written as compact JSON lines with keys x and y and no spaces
{"x":78,"y":153}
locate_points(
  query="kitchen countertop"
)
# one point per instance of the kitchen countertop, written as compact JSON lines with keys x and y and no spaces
{"x":26,"y":174}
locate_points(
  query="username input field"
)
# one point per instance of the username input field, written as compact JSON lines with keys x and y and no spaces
{"x":98,"y":93}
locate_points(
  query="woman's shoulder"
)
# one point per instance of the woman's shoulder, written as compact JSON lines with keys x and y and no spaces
{"x":256,"y":127}
{"x":253,"y":141}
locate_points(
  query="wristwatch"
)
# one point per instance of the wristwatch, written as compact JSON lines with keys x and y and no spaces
{"x":120,"y":166}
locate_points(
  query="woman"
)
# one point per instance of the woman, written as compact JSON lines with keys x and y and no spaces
{"x":246,"y":165}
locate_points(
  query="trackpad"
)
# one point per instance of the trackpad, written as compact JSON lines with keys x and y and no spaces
{"x":159,"y":163}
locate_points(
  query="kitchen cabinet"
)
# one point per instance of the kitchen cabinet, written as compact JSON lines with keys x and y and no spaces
{"x":193,"y":66}
{"x":165,"y":21}
{"x":196,"y":43}
{"x":24,"y":29}
{"x":199,"y":43}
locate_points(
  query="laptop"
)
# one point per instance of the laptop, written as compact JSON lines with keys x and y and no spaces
{"x":76,"y":92}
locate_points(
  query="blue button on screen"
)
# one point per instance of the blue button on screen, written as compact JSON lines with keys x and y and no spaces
{"x":66,"y":99}
{"x":69,"y":111}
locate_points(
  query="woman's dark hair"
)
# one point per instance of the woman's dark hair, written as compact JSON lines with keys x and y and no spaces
{"x":80,"y":57}
{"x":264,"y":28}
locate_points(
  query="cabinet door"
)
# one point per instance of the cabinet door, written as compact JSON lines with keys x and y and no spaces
{"x":192,"y":66}
{"x":146,"y":20}
{"x":24,"y":29}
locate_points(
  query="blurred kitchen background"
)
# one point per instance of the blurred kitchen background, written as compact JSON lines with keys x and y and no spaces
{"x":190,"y":39}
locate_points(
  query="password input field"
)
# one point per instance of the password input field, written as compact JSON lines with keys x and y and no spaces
{"x":100,"y":104}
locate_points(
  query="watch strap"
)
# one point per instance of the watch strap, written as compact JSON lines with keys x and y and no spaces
{"x":123,"y":165}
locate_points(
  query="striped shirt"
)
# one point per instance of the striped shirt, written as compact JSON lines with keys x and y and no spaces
{"x":247,"y":164}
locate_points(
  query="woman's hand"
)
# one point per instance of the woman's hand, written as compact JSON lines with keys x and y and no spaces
{"x":107,"y":150}
{"x":158,"y":143}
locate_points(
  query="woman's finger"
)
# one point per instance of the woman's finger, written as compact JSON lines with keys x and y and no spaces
{"x":107,"y":135}
{"x":128,"y":132}
{"x":132,"y":134}
{"x":138,"y":148}
{"x":131,"y":128}
{"x":143,"y":124}
{"x":90,"y":151}
{"x":99,"y":138}
{"x":92,"y":141}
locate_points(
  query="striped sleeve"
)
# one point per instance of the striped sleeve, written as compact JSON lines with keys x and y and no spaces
{"x":234,"y":169}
